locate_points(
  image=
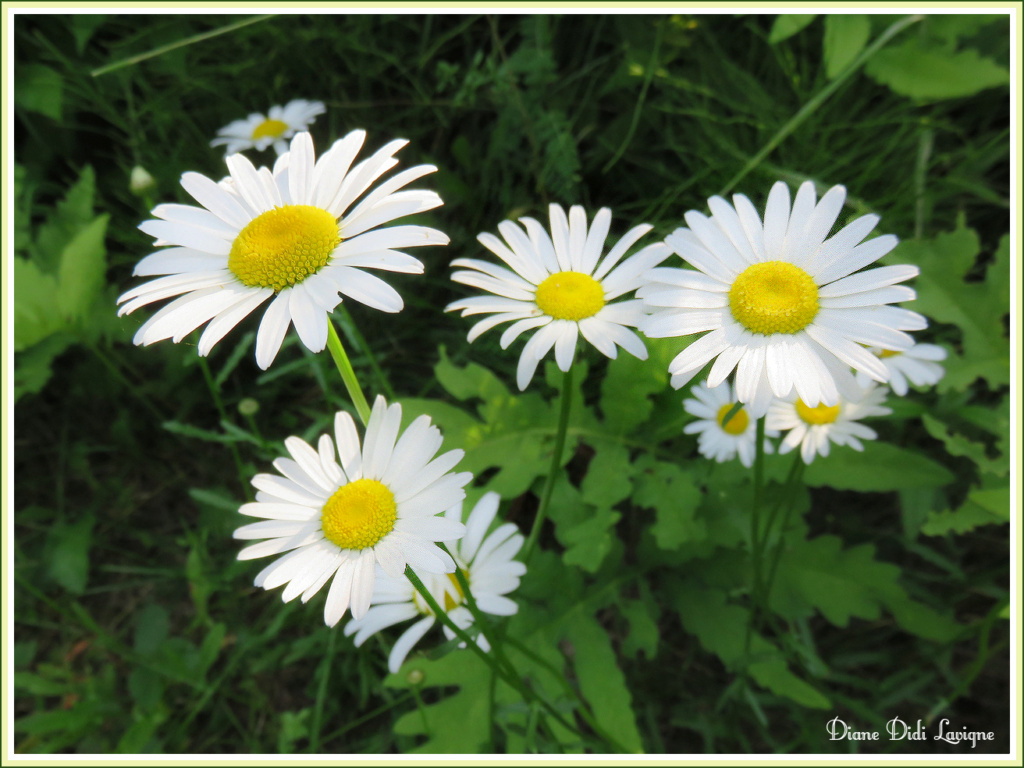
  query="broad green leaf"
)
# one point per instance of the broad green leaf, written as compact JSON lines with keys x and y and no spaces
{"x":951,"y":27}
{"x":39,"y":88}
{"x":674,"y":496}
{"x":846,"y":34}
{"x":607,"y":481}
{"x":36,"y":315}
{"x":971,"y":514}
{"x":643,"y":628}
{"x":722,"y":628}
{"x":68,"y":553}
{"x":80,"y":277}
{"x":994,"y":500}
{"x":913,"y":69}
{"x":33,"y":367}
{"x":586,"y":532}
{"x":629,"y":383}
{"x":83,"y":25}
{"x":152,"y":627}
{"x":789,"y":24}
{"x":959,"y":445}
{"x":69,"y":217}
{"x":880,"y":467}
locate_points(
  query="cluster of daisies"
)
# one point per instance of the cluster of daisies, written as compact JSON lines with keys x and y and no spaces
{"x":796,"y":325}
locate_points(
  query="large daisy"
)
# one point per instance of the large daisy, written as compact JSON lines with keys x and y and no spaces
{"x":719,"y":439}
{"x":918,"y":365}
{"x":293,"y":236}
{"x":259,"y":131}
{"x":783,"y":304}
{"x":814,"y":428}
{"x":490,"y":572}
{"x":341,"y":514}
{"x":559,"y":286}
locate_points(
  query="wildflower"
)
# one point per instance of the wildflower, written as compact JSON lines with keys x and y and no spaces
{"x":719,"y":439}
{"x":260,"y":131}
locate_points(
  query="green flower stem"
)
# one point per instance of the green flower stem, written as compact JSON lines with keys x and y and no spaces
{"x":348,"y":375}
{"x":556,"y":465}
{"x":510,"y":678}
{"x":788,"y":501}
{"x":364,"y":346}
{"x":755,"y":524}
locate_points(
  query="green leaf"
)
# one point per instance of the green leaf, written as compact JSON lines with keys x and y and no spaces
{"x":987,"y":506}
{"x":789,"y":24}
{"x":674,"y":496}
{"x":39,"y":88}
{"x":80,"y":277}
{"x":880,"y":467}
{"x":152,"y":627}
{"x":629,"y":383}
{"x":607,"y":481}
{"x":585,"y":531}
{"x":70,"y":216}
{"x":643,"y":634}
{"x":68,"y":553}
{"x":914,"y":69}
{"x":846,"y":34}
{"x":34,"y":367}
{"x":721,"y":629}
{"x":35,"y":314}
{"x":959,"y":445}
{"x":83,"y":25}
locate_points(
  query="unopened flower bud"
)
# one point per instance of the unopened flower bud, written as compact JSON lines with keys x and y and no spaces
{"x":141,"y":181}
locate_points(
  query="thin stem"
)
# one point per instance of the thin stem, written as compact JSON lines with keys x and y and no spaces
{"x":792,"y":483}
{"x":755,"y":522}
{"x":556,"y":465}
{"x":364,"y":345}
{"x":321,"y":695}
{"x":219,"y":404}
{"x":348,"y":375}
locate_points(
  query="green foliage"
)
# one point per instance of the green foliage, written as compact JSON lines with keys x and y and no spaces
{"x":787,"y":25}
{"x":879,"y":467}
{"x":846,"y":34}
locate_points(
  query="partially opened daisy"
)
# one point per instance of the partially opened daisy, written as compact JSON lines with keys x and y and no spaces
{"x":814,"y":428}
{"x":919,"y":365}
{"x":339,"y":510}
{"x":485,"y":561}
{"x":559,"y":286}
{"x":781,"y":302}
{"x":259,"y":131}
{"x":719,"y":439}
{"x":295,"y":237}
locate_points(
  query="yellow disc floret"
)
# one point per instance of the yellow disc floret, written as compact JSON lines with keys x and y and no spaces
{"x":888,"y":353}
{"x":450,"y":600}
{"x":570,"y":296}
{"x":774,"y":297}
{"x":737,"y":424}
{"x":284,"y":246}
{"x":359,"y":514}
{"x":819,"y":414}
{"x":269,"y":129}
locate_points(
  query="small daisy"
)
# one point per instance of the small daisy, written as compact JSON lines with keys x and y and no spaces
{"x":260,"y":131}
{"x":487,"y":565}
{"x":342,"y":514}
{"x":290,"y":236}
{"x":723,"y":441}
{"x":559,"y":285}
{"x":814,"y":428}
{"x":918,"y":365}
{"x":784,"y":305}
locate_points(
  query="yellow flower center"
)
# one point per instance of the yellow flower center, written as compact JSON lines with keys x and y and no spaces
{"x":269,"y":129}
{"x":284,"y":246}
{"x":450,"y":601}
{"x":774,"y":297}
{"x":570,"y":296}
{"x":453,"y":595}
{"x":819,"y":414}
{"x":888,"y":353}
{"x":359,"y":514}
{"x":737,"y":424}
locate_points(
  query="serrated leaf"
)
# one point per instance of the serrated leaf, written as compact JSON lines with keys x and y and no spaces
{"x":966,"y":517}
{"x":80,"y":276}
{"x":39,"y":88}
{"x":913,"y":69}
{"x":589,"y":542}
{"x":846,"y":34}
{"x":607,"y":481}
{"x":880,"y":467}
{"x":35,"y":316}
{"x":674,"y":496}
{"x":959,"y":445}
{"x":34,"y":367}
{"x":721,"y":629}
{"x":629,"y":383}
{"x":72,"y":214}
{"x":643,"y":634}
{"x":787,"y":25}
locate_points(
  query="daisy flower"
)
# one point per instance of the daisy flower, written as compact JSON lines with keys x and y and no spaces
{"x":813,"y":429}
{"x":723,"y":441}
{"x":783,"y":303}
{"x":559,"y":286}
{"x":291,"y":236}
{"x":259,"y":131}
{"x":490,"y":571}
{"x":341,"y":514}
{"x":918,"y":365}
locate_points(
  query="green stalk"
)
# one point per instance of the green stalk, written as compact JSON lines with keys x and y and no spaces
{"x":755,"y":522}
{"x":556,"y":465}
{"x":788,"y":493}
{"x":219,"y":403}
{"x":348,"y":374}
{"x":819,"y":98}
{"x":321,"y":695}
{"x":364,"y":345}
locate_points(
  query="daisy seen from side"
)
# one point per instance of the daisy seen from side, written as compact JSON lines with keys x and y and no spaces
{"x":719,"y":439}
{"x":259,"y":131}
{"x":491,"y":573}
{"x":814,"y":429}
{"x":918,"y":365}
{"x":559,"y":286}
{"x":294,"y":237}
{"x":341,"y":509}
{"x":778,"y":300}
